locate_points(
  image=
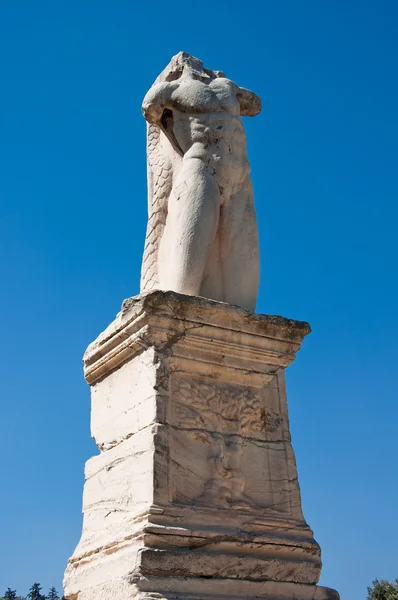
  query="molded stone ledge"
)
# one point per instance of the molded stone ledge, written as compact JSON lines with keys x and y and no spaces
{"x":236,"y":561}
{"x":186,"y":588}
{"x":229,"y":589}
{"x":215,"y":329}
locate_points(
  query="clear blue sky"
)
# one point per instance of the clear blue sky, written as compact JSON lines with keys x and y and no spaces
{"x":72,"y":225}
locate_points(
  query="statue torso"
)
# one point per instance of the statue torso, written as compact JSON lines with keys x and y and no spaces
{"x":208,"y":126}
{"x":194,"y":96}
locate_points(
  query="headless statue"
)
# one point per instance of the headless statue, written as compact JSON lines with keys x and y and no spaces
{"x":202,"y":234}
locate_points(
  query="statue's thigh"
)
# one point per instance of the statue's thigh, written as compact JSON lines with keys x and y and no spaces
{"x":195,"y":195}
{"x":193,"y":210}
{"x":239,"y":247}
{"x":191,"y":225}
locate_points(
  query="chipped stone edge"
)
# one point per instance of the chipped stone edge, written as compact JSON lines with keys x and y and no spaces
{"x":172,"y":315}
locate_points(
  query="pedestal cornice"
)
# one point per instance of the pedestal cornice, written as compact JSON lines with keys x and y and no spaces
{"x":215,"y":332}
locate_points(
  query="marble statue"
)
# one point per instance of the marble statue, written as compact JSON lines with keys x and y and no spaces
{"x":194,"y":493}
{"x":202,"y":235}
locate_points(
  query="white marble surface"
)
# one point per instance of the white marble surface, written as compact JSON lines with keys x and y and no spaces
{"x":195,"y":490}
{"x":202,"y":232}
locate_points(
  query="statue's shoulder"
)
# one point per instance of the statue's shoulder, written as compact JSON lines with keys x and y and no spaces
{"x":223,"y":82}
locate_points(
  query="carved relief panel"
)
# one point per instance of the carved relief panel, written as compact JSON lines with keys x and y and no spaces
{"x":229,"y":446}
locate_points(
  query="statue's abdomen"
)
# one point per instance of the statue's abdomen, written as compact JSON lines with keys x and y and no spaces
{"x":219,"y":140}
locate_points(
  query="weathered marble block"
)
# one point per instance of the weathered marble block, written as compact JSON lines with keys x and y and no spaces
{"x":195,"y":491}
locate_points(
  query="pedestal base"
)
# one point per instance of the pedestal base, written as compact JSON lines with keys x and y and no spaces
{"x":195,"y":492}
{"x":167,"y":588}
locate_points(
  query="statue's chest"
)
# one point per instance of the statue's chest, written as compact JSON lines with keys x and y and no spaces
{"x":197,"y":97}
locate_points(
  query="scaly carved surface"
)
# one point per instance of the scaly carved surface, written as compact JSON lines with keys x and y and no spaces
{"x":160,"y":177}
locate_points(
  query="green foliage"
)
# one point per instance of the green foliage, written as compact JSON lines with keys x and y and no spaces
{"x":35,"y":593}
{"x":383,"y":590}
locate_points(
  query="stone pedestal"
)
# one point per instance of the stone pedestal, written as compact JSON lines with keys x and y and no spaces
{"x":194,"y":493}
